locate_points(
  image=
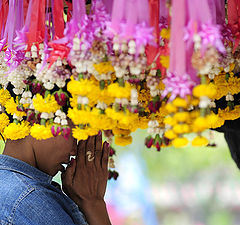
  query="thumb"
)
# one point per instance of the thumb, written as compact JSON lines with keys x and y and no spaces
{"x":68,"y":174}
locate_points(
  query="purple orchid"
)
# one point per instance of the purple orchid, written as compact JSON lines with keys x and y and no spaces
{"x":177,"y":85}
{"x":144,"y":35}
{"x":211,"y":35}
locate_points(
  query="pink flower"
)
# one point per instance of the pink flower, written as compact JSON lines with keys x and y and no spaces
{"x":158,"y":142}
{"x":66,"y":132}
{"x":55,"y":129}
{"x":61,"y":98}
{"x":149,"y":141}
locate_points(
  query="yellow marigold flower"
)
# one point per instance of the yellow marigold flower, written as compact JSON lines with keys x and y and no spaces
{"x":97,"y":95}
{"x":180,"y":102}
{"x":83,"y":134}
{"x":143,"y":122}
{"x":170,"y":134}
{"x":228,"y":114}
{"x":4,"y":96}
{"x":100,"y":121}
{"x":80,"y":116}
{"x":92,"y":131}
{"x":17,"y":131}
{"x":48,"y":104}
{"x":195,"y":101}
{"x":79,"y":134}
{"x":127,"y":119}
{"x":170,"y":121}
{"x":82,"y":87}
{"x":194,"y":114}
{"x":11,"y":108}
{"x":123,"y":140}
{"x":161,"y":85}
{"x":212,"y":120}
{"x":200,"y":124}
{"x":220,"y":121}
{"x":165,"y":33}
{"x":117,"y":91}
{"x":73,"y":101}
{"x":104,"y":67}
{"x":199,"y":141}
{"x":4,"y":121}
{"x":205,"y":90}
{"x":171,"y":108}
{"x":41,"y":132}
{"x":162,"y":112}
{"x":164,"y":60}
{"x":181,"y":129}
{"x":119,"y":131}
{"x":180,"y":142}
{"x":181,"y":116}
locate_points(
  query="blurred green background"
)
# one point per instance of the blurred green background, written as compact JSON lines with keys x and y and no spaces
{"x":187,"y":186}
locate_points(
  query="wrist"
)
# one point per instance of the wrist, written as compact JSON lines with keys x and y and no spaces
{"x":85,"y":204}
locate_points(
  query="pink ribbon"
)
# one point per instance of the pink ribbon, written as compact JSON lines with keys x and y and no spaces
{"x":177,"y":50}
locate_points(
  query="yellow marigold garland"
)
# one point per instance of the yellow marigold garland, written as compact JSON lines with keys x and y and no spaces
{"x":17,"y":131}
{"x":47,"y":104}
{"x":11,"y":108}
{"x":117,"y":91}
{"x":4,"y":121}
{"x":104,"y":67}
{"x":82,"y":134}
{"x":82,"y":87}
{"x":180,"y":142}
{"x":4,"y":96}
{"x":123,"y":140}
{"x":41,"y":132}
{"x":199,"y":141}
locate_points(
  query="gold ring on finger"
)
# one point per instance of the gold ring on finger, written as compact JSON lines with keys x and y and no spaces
{"x":90,"y":156}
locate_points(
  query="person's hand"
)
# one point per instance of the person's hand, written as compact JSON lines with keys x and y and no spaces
{"x":85,"y":180}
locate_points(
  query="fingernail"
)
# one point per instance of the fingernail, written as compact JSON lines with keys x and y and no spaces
{"x":99,"y":133}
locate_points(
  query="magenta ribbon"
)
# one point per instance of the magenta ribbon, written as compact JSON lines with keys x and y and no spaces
{"x":21,"y":38}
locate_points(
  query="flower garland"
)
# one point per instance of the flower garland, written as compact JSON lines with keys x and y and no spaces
{"x":101,"y":75}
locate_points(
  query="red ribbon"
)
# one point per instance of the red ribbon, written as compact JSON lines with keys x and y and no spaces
{"x":25,"y":7}
{"x":234,"y":20}
{"x":59,"y":51}
{"x":3,"y":15}
{"x":58,"y":20}
{"x":152,"y":51}
{"x":37,"y":25}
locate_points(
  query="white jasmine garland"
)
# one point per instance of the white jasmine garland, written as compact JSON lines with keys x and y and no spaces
{"x":19,"y":118}
{"x":57,"y":120}
{"x":64,"y":122}
{"x":44,"y":115}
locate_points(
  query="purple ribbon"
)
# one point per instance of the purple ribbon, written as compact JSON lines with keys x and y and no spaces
{"x":14,"y":21}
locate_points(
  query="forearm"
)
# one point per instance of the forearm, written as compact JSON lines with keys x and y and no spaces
{"x":95,"y":212}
